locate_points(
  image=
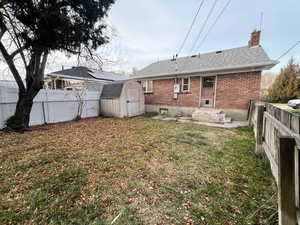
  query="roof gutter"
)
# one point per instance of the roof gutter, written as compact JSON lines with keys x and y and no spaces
{"x":77,"y":78}
{"x":250,"y":67}
{"x":91,"y":74}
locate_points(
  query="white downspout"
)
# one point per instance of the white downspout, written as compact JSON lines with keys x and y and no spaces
{"x":215,"y":94}
{"x":200,"y":93}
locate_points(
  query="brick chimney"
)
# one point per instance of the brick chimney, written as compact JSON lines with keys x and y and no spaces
{"x":255,"y":38}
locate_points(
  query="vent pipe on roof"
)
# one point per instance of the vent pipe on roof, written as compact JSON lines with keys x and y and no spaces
{"x":62,"y":67}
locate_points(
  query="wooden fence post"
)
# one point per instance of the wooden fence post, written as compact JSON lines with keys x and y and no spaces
{"x":259,"y":128}
{"x":250,"y":111}
{"x":286,"y":182}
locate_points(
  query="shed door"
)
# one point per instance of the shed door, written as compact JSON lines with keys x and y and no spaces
{"x":133,"y":100}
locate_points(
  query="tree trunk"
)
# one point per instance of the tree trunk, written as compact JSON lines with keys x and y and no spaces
{"x":34,"y":83}
{"x":20,"y":120}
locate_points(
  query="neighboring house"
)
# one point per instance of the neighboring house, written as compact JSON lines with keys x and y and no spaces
{"x":80,"y":77}
{"x":225,"y":79}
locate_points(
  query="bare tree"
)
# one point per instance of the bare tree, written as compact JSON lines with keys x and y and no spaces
{"x":110,"y":56}
{"x":31,"y":29}
{"x":80,"y":94}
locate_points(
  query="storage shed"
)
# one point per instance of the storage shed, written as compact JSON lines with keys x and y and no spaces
{"x":122,"y":99}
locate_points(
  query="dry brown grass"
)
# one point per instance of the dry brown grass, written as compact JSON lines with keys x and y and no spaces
{"x":152,"y":172}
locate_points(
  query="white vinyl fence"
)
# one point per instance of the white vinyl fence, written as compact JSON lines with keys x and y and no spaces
{"x":51,"y":106}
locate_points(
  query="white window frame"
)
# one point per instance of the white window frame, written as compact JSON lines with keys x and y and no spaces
{"x":182,"y":84}
{"x":148,"y":84}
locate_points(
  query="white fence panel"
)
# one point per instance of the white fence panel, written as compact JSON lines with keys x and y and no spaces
{"x":6,"y":110}
{"x":36,"y":115}
{"x":51,"y":106}
{"x":92,"y":108}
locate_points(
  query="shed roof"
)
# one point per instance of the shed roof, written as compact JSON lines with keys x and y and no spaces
{"x":235,"y":58}
{"x":112,"y":90}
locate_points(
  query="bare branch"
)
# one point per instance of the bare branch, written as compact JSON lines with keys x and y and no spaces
{"x":15,"y":36}
{"x":43,"y":65}
{"x":3,"y":29}
{"x":13,"y":68}
{"x":2,"y":33}
{"x":19,"y":50}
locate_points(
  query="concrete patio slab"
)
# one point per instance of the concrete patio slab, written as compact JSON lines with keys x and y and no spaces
{"x":233,"y":124}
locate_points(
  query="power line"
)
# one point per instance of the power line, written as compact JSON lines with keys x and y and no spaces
{"x":217,"y":19}
{"x":215,"y":22}
{"x":191,"y":27}
{"x":290,"y":49}
{"x":203,"y":25}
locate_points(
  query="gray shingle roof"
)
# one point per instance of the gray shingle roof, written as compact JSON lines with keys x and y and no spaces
{"x":109,"y":75}
{"x":82,"y":72}
{"x":236,"y":58}
{"x":112,"y":90}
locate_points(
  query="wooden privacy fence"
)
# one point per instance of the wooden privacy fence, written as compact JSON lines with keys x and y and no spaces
{"x":277,"y":134}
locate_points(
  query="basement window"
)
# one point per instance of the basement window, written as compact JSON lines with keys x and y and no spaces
{"x":147,"y":86}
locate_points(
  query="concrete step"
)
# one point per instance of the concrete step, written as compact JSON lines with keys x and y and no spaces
{"x":210,"y":115}
{"x":228,"y":119}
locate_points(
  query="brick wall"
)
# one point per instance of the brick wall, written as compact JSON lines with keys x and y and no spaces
{"x":235,"y":90}
{"x":163,"y":94}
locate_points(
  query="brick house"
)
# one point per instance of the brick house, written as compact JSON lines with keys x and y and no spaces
{"x":225,"y":80}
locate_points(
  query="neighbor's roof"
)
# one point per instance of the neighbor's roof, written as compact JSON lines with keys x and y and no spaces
{"x":112,"y":90}
{"x":102,"y":75}
{"x":230,"y":59}
{"x":75,"y":72}
{"x":84,"y":73}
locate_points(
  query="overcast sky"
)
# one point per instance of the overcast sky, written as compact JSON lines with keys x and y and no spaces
{"x":151,"y":30}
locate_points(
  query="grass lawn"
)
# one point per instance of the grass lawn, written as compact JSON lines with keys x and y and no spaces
{"x":134,"y":171}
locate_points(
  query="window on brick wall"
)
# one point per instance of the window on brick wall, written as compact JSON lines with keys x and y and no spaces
{"x":185,"y":86}
{"x":208,"y":82}
{"x":147,"y":86}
